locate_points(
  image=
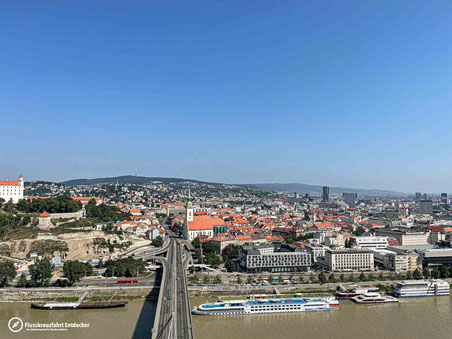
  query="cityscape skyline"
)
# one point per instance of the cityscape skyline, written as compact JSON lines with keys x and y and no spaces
{"x":248,"y":93}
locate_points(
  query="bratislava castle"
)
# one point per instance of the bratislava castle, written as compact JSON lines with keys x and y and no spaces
{"x":12,"y":189}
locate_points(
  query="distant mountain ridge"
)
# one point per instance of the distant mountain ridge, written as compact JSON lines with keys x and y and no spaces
{"x":279,"y":187}
{"x":306,"y":188}
{"x":128,"y":179}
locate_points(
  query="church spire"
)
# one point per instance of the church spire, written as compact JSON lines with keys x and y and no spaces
{"x":189,"y":204}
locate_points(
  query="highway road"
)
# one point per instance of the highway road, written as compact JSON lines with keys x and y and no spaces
{"x":183,"y":312}
{"x":175,"y":315}
{"x":165,"y":325}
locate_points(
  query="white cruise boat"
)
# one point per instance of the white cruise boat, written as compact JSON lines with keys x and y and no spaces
{"x":343,"y":294}
{"x":421,"y":288}
{"x":373,"y":298}
{"x":240,"y":307}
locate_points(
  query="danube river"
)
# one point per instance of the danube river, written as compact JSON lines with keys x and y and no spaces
{"x":133,"y":321}
{"x":411,"y":318}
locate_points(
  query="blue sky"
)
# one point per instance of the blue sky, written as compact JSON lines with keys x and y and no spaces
{"x":341,"y":93}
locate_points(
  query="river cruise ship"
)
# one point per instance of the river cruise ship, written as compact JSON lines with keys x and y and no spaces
{"x":373,"y":298}
{"x":421,"y":288}
{"x":240,"y":307}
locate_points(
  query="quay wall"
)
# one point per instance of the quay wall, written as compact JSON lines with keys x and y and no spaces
{"x":40,"y":294}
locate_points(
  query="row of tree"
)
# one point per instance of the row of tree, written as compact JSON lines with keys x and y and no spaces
{"x":126,"y":267}
{"x":105,"y":213}
{"x":60,"y":204}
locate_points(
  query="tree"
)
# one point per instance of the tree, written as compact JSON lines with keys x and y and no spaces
{"x":280,"y":279}
{"x":239,"y":280}
{"x":22,"y":281}
{"x":73,"y":271}
{"x":359,"y":231}
{"x":426,"y":273}
{"x":322,"y":278}
{"x":342,"y":277}
{"x":444,"y":272}
{"x":270,"y":279}
{"x":409,"y":275}
{"x":196,"y":242}
{"x":194,"y":279}
{"x":41,"y":272}
{"x":435,"y":274}
{"x":1,"y":202}
{"x":370,"y":277}
{"x":417,"y":274}
{"x":351,"y":277}
{"x":230,"y":252}
{"x":249,"y":281}
{"x":217,"y":280}
{"x":157,"y":242}
{"x":331,"y":278}
{"x":213,"y":260}
{"x":206,"y":279}
{"x":9,"y":206}
{"x":362,"y":277}
{"x":7,"y":273}
{"x":229,"y":265}
{"x":301,"y":279}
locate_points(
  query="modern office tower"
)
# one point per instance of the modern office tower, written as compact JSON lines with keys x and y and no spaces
{"x":326,"y":194}
{"x":426,"y":207}
{"x":417,"y":196}
{"x":350,"y":198}
{"x":444,"y":198}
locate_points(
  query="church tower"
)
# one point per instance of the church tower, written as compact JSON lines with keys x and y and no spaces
{"x":188,"y":215}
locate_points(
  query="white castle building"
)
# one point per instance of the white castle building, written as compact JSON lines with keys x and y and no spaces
{"x":12,"y":190}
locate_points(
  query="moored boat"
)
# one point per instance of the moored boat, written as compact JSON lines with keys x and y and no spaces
{"x":421,"y":288}
{"x":241,"y":307}
{"x":373,"y":298}
{"x":77,"y":306}
{"x":343,"y":294}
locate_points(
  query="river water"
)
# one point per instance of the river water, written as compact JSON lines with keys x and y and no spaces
{"x":133,"y":321}
{"x":411,"y":318}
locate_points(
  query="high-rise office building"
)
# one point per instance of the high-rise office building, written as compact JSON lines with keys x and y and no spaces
{"x":350,"y":198}
{"x":426,"y":207}
{"x":444,"y":198}
{"x":417,"y":196}
{"x":326,"y":194}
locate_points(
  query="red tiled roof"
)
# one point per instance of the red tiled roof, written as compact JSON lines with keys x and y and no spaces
{"x":204,"y":222}
{"x":9,"y":183}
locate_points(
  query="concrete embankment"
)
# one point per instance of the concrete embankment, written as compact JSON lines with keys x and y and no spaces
{"x":40,"y":294}
{"x":297,"y":288}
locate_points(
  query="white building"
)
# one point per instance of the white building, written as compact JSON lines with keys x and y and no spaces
{"x":349,"y":260}
{"x":12,"y":190}
{"x":370,"y":242}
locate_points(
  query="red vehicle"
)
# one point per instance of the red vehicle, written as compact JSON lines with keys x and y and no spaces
{"x":130,"y":281}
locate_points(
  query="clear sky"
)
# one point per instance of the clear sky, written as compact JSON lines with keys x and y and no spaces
{"x":341,"y":93}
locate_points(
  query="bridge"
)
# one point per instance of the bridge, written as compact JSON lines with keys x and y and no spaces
{"x":173,"y":314}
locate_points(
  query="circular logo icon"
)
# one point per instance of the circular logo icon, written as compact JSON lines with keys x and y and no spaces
{"x":15,"y":324}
